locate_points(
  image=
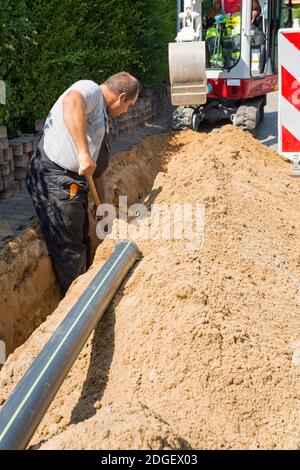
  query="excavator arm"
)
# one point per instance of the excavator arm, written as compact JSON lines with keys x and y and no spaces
{"x":187,"y":58}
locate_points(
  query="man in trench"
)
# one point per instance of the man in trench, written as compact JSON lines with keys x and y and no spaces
{"x":73,"y":146}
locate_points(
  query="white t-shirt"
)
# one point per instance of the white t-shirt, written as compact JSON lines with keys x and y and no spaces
{"x":58,"y":142}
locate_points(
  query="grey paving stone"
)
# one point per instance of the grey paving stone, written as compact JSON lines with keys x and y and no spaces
{"x":16,"y":214}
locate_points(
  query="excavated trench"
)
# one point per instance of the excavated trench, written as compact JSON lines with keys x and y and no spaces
{"x":28,"y":288}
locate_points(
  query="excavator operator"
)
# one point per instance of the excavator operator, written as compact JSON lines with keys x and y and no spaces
{"x":230,"y":7}
{"x":223,"y":32}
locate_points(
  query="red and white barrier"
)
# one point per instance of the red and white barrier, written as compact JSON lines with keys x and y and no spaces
{"x":289,"y":93}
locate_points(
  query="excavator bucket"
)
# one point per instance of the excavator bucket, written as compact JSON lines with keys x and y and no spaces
{"x":187,"y":73}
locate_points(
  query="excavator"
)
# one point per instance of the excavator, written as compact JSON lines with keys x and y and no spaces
{"x":222,"y":68}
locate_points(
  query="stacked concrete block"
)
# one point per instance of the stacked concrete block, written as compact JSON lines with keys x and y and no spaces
{"x":160,"y":100}
{"x":144,"y":111}
{"x":112,"y":131}
{"x":138,"y":115}
{"x":7,"y":180}
{"x":22,"y":149}
{"x":137,"y":118}
{"x":39,"y":125}
{"x":148,"y":110}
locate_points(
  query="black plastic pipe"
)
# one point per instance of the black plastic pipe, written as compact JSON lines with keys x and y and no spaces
{"x":28,"y":403}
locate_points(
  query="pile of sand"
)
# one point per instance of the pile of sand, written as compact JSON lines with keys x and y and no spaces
{"x":199,"y":349}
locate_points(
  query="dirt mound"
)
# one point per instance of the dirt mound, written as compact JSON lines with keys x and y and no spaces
{"x":200,"y":348}
{"x":126,"y":426}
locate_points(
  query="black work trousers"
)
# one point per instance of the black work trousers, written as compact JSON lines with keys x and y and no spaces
{"x":60,"y":198}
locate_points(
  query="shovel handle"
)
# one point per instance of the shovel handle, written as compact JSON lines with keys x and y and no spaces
{"x":93,"y":190}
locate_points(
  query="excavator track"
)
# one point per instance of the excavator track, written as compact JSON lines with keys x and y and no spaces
{"x":183,"y":118}
{"x":250,"y":114}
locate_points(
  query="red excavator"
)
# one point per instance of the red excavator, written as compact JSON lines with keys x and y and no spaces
{"x":222,"y":67}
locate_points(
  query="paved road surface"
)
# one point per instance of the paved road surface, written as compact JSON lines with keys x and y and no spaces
{"x":267,"y":131}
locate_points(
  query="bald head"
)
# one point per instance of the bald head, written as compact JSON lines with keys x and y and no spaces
{"x":125,"y":83}
{"x":120,"y":93}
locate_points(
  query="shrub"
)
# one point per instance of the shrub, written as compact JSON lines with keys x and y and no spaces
{"x":46,"y":46}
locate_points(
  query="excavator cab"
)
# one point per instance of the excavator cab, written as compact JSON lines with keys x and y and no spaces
{"x":223,"y":42}
{"x":223,"y":68}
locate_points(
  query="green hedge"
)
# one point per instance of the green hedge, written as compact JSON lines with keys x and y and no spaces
{"x":46,"y":46}
{"x":17,"y":45}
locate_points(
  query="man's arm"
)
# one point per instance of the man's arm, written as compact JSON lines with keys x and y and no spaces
{"x":213,"y":11}
{"x":256,"y":10}
{"x":75,"y":119}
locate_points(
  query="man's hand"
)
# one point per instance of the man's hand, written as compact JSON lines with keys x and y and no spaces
{"x":254,"y":16}
{"x":87,"y":165}
{"x":256,"y":10}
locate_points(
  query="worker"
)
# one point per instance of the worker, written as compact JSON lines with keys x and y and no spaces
{"x":231,"y":7}
{"x":223,"y":37}
{"x":73,"y":146}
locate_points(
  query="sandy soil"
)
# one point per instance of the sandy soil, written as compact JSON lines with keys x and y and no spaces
{"x":28,"y":288}
{"x":199,"y":349}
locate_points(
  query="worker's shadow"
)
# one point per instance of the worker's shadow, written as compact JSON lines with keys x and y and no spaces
{"x":103,"y":345}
